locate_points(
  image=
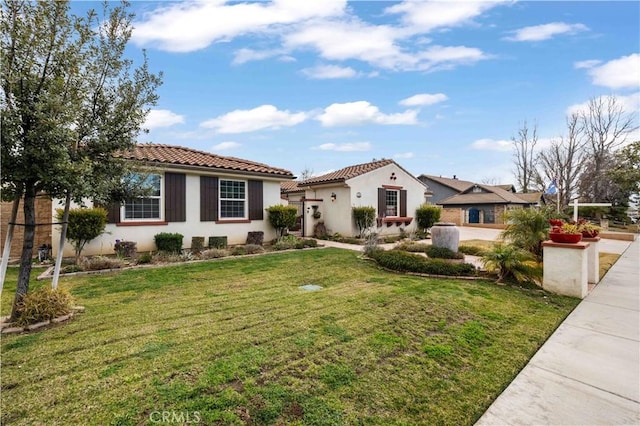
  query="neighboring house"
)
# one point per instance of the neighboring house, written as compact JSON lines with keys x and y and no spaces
{"x":196,"y":194}
{"x":465,"y":202}
{"x":383,"y":184}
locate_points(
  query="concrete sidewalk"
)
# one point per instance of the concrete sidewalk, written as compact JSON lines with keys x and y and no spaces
{"x":588,"y":372}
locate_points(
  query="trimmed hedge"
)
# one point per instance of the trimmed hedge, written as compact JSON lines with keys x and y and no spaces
{"x":407,"y":262}
{"x":431,"y":251}
{"x":169,"y":242}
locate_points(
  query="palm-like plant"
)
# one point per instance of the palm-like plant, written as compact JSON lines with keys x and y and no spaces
{"x":510,"y":262}
{"x":526,"y":229}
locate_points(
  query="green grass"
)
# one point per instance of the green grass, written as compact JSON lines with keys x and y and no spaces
{"x":237,"y":342}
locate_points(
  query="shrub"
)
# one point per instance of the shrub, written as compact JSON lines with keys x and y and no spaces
{"x":509,"y":261}
{"x":408,"y":262}
{"x":527,"y":229}
{"x":427,"y":215}
{"x":305,"y":243}
{"x":218,"y":242}
{"x":169,"y":242}
{"x":84,"y":225}
{"x":213,"y":253}
{"x":320,"y":230}
{"x":253,"y":249}
{"x":42,"y":305}
{"x":442,"y":253}
{"x":471,"y":250}
{"x":144,"y":258}
{"x":282,"y":218}
{"x":166,"y":257}
{"x":197,"y":244}
{"x":238,"y":251}
{"x":125,"y":248}
{"x":98,"y":263}
{"x":365,"y":218}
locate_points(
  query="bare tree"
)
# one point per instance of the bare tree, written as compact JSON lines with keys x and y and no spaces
{"x":563,"y":161}
{"x":606,"y":126}
{"x":305,"y":174}
{"x":524,"y":157}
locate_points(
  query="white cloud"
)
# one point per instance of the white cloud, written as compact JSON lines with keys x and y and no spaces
{"x":190,"y":26}
{"x":404,"y":155}
{"x":492,"y":145}
{"x":224,"y":146}
{"x":262,"y":117}
{"x":362,"y":112}
{"x":424,"y":99}
{"x":586,"y":64}
{"x":242,"y":56}
{"x":430,"y":15}
{"x":629,"y":104}
{"x":344,"y":147}
{"x":619,"y":73}
{"x":162,"y":118}
{"x":321,"y":72}
{"x":545,"y":31}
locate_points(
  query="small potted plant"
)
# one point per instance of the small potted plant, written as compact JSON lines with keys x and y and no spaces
{"x":588,"y":229}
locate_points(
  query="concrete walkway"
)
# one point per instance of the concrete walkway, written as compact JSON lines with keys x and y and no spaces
{"x":588,"y":372}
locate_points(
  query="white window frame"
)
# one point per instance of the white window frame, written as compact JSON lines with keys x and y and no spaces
{"x":397,"y":205}
{"x":245,"y":200}
{"x":160,"y":197}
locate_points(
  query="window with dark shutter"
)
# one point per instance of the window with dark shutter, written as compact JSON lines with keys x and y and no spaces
{"x":382,"y":202}
{"x":403,"y":202}
{"x":175,"y":202}
{"x":208,"y":198}
{"x":256,"y":207}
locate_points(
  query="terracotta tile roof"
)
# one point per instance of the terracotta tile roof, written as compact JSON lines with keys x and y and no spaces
{"x":177,"y":155}
{"x":289,"y":186}
{"x":457,"y":184}
{"x":347,"y":172}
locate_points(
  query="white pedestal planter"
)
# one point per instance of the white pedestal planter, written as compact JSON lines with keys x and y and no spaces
{"x":593,"y":259}
{"x":566,"y":268}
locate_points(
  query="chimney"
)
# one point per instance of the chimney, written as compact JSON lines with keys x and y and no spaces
{"x":455,"y":177}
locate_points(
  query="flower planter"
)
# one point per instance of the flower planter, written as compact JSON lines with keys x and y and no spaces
{"x":590,"y":234}
{"x":558,"y":237}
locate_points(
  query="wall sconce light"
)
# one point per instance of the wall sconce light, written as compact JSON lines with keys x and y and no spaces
{"x":333,"y":196}
{"x":358,"y":195}
{"x":393,"y":176}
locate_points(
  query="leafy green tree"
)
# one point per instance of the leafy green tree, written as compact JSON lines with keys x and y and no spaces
{"x":626,"y":170}
{"x":364,"y":217}
{"x":69,"y":101}
{"x":527,"y":229}
{"x":84,"y":225}
{"x":282,"y":218}
{"x":427,"y":215}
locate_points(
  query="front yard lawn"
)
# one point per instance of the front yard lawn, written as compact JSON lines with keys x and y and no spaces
{"x":237,"y":342}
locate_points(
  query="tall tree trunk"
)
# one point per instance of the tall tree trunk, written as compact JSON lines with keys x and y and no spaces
{"x":27,"y":247}
{"x":7,"y":243}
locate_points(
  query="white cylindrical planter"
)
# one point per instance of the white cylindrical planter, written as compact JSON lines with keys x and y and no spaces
{"x":445,"y":234}
{"x":565,"y":268}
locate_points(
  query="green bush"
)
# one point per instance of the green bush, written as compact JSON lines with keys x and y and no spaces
{"x":99,"y":263}
{"x":238,"y":251}
{"x":510,"y":262}
{"x":197,"y":244}
{"x":169,"y":242}
{"x":125,"y":248}
{"x":42,"y":305}
{"x":442,"y":253}
{"x":305,"y":243}
{"x":471,"y":250}
{"x":527,"y":229}
{"x":407,"y":262}
{"x":84,"y":225}
{"x":282,"y":218}
{"x":427,"y":215}
{"x":253,"y":249}
{"x":365,"y":218}
{"x":218,"y":242}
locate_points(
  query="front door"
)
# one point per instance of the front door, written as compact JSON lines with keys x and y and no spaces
{"x":474,"y":215}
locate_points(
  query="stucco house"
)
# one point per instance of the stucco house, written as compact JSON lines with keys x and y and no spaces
{"x":383,"y":184}
{"x":195,"y":194}
{"x":465,"y":202}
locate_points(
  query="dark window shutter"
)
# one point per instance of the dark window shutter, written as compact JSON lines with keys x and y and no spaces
{"x":256,"y":208}
{"x":113,"y":213}
{"x":403,"y":202}
{"x":208,"y":198}
{"x":175,"y":200}
{"x":382,"y":202}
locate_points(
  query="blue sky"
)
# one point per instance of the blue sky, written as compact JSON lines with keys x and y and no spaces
{"x":441,"y":87}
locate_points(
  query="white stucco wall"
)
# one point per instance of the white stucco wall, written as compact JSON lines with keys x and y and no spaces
{"x":144,"y":235}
